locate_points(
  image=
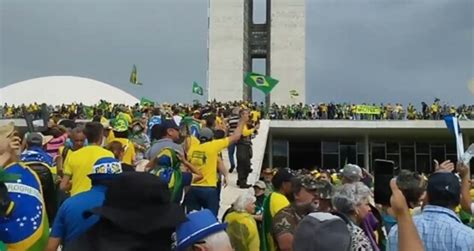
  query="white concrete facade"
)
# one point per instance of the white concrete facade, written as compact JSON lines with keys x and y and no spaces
{"x":226,"y":50}
{"x":288,"y":48}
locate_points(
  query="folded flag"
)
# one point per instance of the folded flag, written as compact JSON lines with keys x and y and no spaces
{"x":134,"y":76}
{"x":197,"y":89}
{"x":453,"y":126}
{"x":261,"y":82}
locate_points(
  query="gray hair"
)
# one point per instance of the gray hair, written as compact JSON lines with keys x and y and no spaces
{"x":243,"y":200}
{"x":218,"y":241}
{"x":347,"y":197}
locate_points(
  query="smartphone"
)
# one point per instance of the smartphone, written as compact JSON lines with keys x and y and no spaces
{"x":467,"y":156}
{"x":384,"y":171}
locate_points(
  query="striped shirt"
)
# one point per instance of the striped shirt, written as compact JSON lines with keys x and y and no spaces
{"x":440,"y":229}
{"x":233,"y":122}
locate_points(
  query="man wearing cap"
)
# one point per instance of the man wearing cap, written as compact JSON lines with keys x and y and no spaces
{"x":273,"y":203}
{"x":121,"y":133}
{"x":438,"y":225}
{"x":165,"y":136}
{"x":203,"y":193}
{"x":351,"y":173}
{"x":24,"y":223}
{"x":70,"y":223}
{"x":306,"y":192}
{"x":35,"y":152}
{"x":76,"y":165}
{"x":202,"y":232}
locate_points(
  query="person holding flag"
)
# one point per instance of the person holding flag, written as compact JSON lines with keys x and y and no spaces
{"x":24,"y":225}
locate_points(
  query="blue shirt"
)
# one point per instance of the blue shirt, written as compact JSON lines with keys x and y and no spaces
{"x":70,"y":222}
{"x":440,"y":229}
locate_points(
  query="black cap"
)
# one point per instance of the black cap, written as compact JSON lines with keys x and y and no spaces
{"x":169,"y":124}
{"x":444,"y":184}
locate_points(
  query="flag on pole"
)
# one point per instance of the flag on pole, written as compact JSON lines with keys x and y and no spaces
{"x":146,"y":102}
{"x":261,"y":82}
{"x":134,"y":76}
{"x":89,"y":110}
{"x":453,"y":126}
{"x":294,"y":93}
{"x":197,"y":89}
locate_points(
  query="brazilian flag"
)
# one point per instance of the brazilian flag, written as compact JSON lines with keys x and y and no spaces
{"x":197,"y":89}
{"x":89,"y":110}
{"x":134,"y":76}
{"x":146,"y":102}
{"x":261,"y":82}
{"x":294,"y":93}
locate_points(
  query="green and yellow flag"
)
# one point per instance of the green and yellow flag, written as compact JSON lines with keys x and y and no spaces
{"x":146,"y":102}
{"x":89,"y":110}
{"x":261,"y":82}
{"x":197,"y":89}
{"x":294,"y":93}
{"x":134,"y":76}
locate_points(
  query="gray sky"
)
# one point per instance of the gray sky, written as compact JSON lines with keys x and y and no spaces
{"x":357,"y":50}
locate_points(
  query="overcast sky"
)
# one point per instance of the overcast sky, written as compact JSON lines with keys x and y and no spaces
{"x":357,"y":50}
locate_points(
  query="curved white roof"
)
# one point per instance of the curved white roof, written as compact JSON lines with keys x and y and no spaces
{"x":57,"y":90}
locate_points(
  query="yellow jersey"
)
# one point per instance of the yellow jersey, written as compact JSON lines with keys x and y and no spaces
{"x":79,"y":164}
{"x":129,"y":153}
{"x":204,"y":157}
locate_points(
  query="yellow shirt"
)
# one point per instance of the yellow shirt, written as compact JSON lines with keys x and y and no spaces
{"x":242,"y":231}
{"x":278,"y":201}
{"x":255,"y":115}
{"x":204,"y":157}
{"x":129,"y":154}
{"x":79,"y":164}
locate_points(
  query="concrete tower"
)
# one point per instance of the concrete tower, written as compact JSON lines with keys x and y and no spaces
{"x":234,"y":40}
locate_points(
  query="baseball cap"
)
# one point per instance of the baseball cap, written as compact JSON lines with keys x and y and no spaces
{"x":352,"y":172}
{"x":120,"y":125}
{"x":206,"y":134}
{"x":331,"y":231}
{"x":260,"y":184}
{"x":36,"y":138}
{"x":323,"y":188}
{"x":444,"y":184}
{"x":200,"y":224}
{"x":169,"y":124}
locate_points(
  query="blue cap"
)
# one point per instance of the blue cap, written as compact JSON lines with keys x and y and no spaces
{"x":199,"y":225}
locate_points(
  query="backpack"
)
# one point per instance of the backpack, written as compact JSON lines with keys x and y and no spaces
{"x":167,"y":168}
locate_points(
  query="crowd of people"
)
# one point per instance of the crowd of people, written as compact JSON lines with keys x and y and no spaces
{"x":322,"y":111}
{"x":150,"y":178}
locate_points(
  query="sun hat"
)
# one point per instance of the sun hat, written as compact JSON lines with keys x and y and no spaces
{"x":260,"y":184}
{"x":106,"y":167}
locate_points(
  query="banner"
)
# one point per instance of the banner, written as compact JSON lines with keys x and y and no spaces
{"x":368,"y":109}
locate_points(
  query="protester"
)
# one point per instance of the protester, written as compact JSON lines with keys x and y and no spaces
{"x":165,"y":135}
{"x":140,"y":140}
{"x":351,"y":203}
{"x":118,"y":150}
{"x":121,"y":134}
{"x":244,"y":152}
{"x":202,"y":232}
{"x":259,"y":191}
{"x":204,"y":155}
{"x":438,"y":225}
{"x":242,"y":228}
{"x":232,"y":122}
{"x":78,"y":140}
{"x":36,"y":158}
{"x":267,"y":176}
{"x":466,"y":201}
{"x":24,"y":223}
{"x":70,"y":222}
{"x":74,"y":170}
{"x":305,"y":193}
{"x":273,"y":203}
{"x":351,"y":173}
